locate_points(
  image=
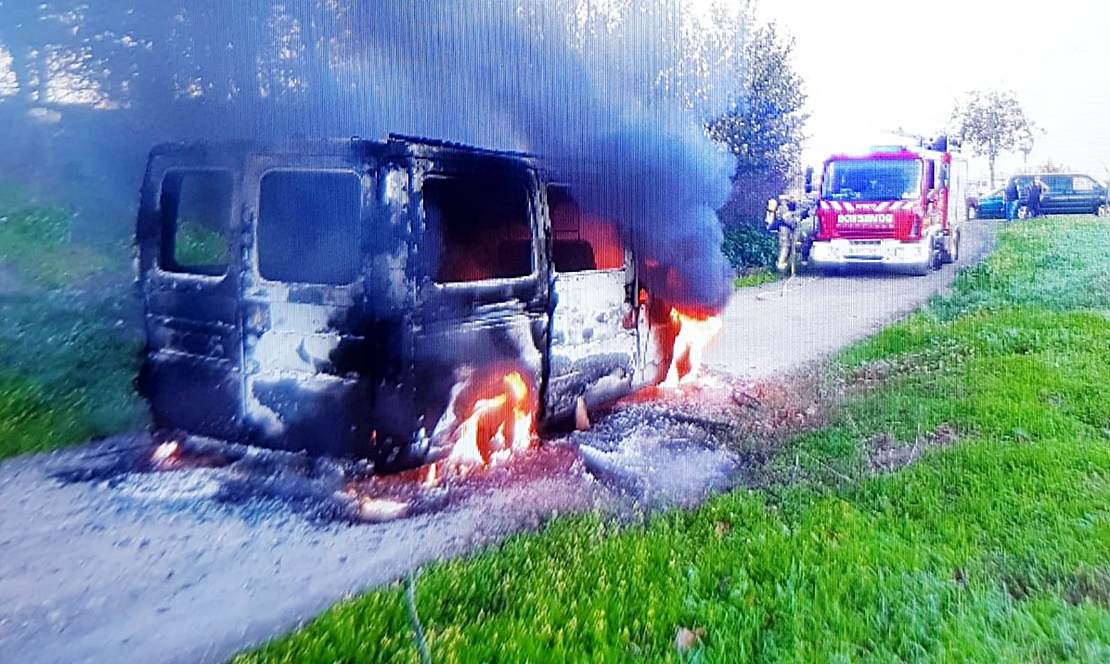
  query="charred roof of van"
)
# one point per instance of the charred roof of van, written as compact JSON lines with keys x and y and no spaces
{"x":396,"y":145}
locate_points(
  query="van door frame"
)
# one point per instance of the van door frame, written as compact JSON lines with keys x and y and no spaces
{"x":192,"y":365}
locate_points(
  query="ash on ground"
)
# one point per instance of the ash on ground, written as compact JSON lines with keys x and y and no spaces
{"x":677,"y":446}
{"x":659,"y":448}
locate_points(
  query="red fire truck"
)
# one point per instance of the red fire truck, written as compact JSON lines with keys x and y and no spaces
{"x":897,"y":206}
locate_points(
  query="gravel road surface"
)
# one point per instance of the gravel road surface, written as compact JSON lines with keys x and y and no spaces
{"x":102,"y":560}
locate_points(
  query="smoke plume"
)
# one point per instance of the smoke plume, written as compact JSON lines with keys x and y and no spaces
{"x":601,"y":91}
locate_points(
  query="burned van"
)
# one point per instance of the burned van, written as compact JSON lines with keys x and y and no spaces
{"x":366,"y":299}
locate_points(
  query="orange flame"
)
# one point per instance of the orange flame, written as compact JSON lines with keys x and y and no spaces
{"x":165,"y":455}
{"x":431,"y":480}
{"x":499,"y":422}
{"x":694,"y":335}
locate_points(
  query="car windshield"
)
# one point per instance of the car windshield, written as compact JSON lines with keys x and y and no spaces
{"x":872,"y":180}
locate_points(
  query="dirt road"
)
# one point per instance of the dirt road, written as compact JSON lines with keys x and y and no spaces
{"x":781,"y":327}
{"x":101,"y":563}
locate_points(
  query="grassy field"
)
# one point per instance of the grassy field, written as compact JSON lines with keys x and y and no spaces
{"x":68,"y":336}
{"x":756,"y":278}
{"x":957,"y":507}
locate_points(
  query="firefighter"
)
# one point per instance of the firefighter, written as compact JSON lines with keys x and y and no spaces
{"x":782,"y":217}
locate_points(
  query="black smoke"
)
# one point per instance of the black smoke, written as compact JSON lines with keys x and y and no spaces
{"x":599,"y":100}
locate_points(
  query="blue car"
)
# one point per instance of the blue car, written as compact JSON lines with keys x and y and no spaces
{"x":986,"y":207}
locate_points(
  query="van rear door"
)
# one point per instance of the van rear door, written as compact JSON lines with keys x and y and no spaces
{"x":303,"y":292}
{"x":187,"y":241}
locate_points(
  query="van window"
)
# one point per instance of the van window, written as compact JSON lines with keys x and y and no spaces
{"x":581,"y":241}
{"x":479,"y":227}
{"x":310,"y":226}
{"x":1057,"y":184}
{"x":196,"y":220}
{"x":1082,"y":183}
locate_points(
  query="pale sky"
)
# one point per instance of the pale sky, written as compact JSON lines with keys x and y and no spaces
{"x":878,"y":64}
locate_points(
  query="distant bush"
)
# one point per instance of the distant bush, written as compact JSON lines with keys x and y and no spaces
{"x":35,"y":240}
{"x":748,"y":246}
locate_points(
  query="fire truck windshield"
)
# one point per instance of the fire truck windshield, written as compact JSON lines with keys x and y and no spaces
{"x":872,"y":180}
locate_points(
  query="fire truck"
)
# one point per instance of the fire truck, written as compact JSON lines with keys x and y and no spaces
{"x":898,"y":206}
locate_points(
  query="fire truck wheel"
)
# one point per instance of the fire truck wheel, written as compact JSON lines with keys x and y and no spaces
{"x":922,"y":269}
{"x":950,"y":249}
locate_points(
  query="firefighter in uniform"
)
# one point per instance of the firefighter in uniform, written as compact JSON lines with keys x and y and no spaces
{"x":783,"y":216}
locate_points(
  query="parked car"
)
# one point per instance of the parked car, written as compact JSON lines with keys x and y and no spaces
{"x":1068,"y":193}
{"x":990,"y":206}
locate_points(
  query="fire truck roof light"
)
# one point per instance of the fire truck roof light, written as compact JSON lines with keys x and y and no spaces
{"x":888,"y":148}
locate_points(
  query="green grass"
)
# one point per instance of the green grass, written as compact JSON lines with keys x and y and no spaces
{"x":197,"y":245}
{"x":994,"y":547}
{"x":66,"y":372}
{"x":756,"y":278}
{"x":68,"y":347}
{"x":35,"y":240}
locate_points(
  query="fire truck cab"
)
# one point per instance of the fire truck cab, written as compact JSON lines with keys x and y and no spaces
{"x":897,"y":206}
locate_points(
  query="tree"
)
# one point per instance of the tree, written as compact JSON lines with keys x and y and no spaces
{"x":1050,"y":167}
{"x":764,"y":127}
{"x":1025,"y":144}
{"x":992,"y":123}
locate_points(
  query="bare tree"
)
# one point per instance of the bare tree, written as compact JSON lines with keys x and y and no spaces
{"x":1050,"y":167}
{"x":992,"y":123}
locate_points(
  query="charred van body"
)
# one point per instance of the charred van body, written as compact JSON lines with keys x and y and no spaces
{"x":354,"y":298}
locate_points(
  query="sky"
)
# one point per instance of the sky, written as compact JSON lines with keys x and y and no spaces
{"x":877,"y":65}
